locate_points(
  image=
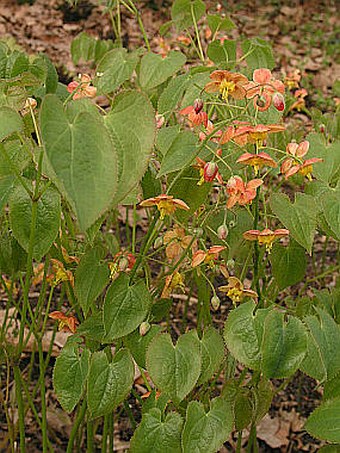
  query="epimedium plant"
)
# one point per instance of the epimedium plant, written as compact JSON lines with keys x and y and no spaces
{"x":231,"y":203}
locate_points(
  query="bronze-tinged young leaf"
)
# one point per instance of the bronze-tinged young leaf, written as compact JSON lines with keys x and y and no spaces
{"x":108,"y":382}
{"x":206,"y":432}
{"x":174,"y":369}
{"x":156,"y":435}
{"x":324,"y":423}
{"x":82,"y":159}
{"x":70,"y":373}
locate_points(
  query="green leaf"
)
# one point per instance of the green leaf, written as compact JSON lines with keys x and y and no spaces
{"x":332,"y":388}
{"x":322,"y":361}
{"x":93,"y":327}
{"x":70,"y":373}
{"x":289,"y":264}
{"x":324,"y":423}
{"x":91,"y":277}
{"x":222,"y":53}
{"x":115,"y":68}
{"x":299,"y":217}
{"x":212,"y":348}
{"x":262,"y":397}
{"x":125,"y":307}
{"x":259,"y":52}
{"x":172,"y":94}
{"x":13,"y":257}
{"x":328,"y":170}
{"x":131,"y":123}
{"x":165,"y":138}
{"x":174,"y":369}
{"x":219,"y":23}
{"x":183,"y":10}
{"x":82,"y":159}
{"x":108,"y":383}
{"x":10,"y":121}
{"x":330,"y":202}
{"x":138,"y":344}
{"x":180,"y":154}
{"x":284,"y":345}
{"x":241,"y":336}
{"x":47,"y":219}
{"x":155,"y":70}
{"x":206,"y":432}
{"x":82,"y":48}
{"x":157,"y":436}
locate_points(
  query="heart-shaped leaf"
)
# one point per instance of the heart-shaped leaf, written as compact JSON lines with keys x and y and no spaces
{"x":288,"y":264}
{"x":155,"y":70}
{"x":108,"y":382}
{"x":82,"y":159}
{"x":180,"y":153}
{"x":175,"y":369}
{"x":324,"y":423}
{"x":206,"y":432}
{"x":156,"y":435}
{"x":299,"y":217}
{"x":212,"y":348}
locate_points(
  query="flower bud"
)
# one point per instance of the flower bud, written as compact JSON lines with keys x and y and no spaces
{"x":159,"y":121}
{"x":222,"y":232}
{"x":231,"y":265}
{"x":198,"y":232}
{"x":279,"y":102}
{"x":144,"y":328}
{"x":158,"y":243}
{"x":210,"y":171}
{"x":215,"y":302}
{"x":198,"y":106}
{"x":322,"y":128}
{"x":123,"y":263}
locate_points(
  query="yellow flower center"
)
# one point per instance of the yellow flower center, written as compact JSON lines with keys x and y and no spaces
{"x":226,"y":88}
{"x":306,"y":171}
{"x":177,"y":281}
{"x":267,"y":241}
{"x":166,"y":207}
{"x":235,"y":294}
{"x":259,"y":138}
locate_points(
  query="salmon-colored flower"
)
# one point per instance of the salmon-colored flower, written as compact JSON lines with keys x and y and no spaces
{"x":228,"y":84}
{"x":59,"y":273}
{"x":208,"y":171}
{"x":8,"y":285}
{"x":236,"y":292}
{"x":173,"y":281}
{"x":166,"y":204}
{"x":296,"y":164}
{"x":67,"y":323}
{"x":292,"y":79}
{"x":257,"y":160}
{"x":177,"y":242}
{"x":122,"y":262}
{"x":245,"y":133}
{"x":262,"y":88}
{"x":196,"y":116}
{"x":82,"y":89}
{"x":265,"y":237}
{"x":241,"y":192}
{"x":300,"y":103}
{"x":209,"y":130}
{"x":208,"y":257}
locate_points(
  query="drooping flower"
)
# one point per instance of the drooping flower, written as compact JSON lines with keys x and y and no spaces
{"x":300,"y":103}
{"x":82,"y":89}
{"x":241,"y":192}
{"x":296,"y":164}
{"x":166,"y":204}
{"x":67,"y":323}
{"x":122,"y":262}
{"x":279,"y":102}
{"x":59,"y":273}
{"x":208,"y":257}
{"x":209,"y":130}
{"x":173,"y":281}
{"x":228,"y":84}
{"x":262,"y":88}
{"x":177,"y":242}
{"x":245,"y":133}
{"x":236,"y":292}
{"x":196,"y":115}
{"x":292,"y":79}
{"x":208,"y":171}
{"x":265,"y":237}
{"x":257,"y":160}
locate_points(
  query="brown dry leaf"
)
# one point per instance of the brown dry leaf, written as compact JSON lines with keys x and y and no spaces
{"x":274,"y":431}
{"x":59,"y":421}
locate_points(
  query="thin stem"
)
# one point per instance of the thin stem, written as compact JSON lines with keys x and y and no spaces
{"x":200,"y":54}
{"x":75,"y":427}
{"x":43,"y":398}
{"x":90,"y":436}
{"x":21,"y":407}
{"x":256,"y":256}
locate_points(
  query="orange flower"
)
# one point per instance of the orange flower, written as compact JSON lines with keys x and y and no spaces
{"x":228,"y":84}
{"x":300,"y":103}
{"x":122,"y":262}
{"x":235,"y":290}
{"x":177,"y":242}
{"x":292,"y":79}
{"x":240,"y":192}
{"x":295,"y":164}
{"x":207,"y":257}
{"x":265,"y":237}
{"x":59,"y":273}
{"x":66,"y":323}
{"x":247,"y":133}
{"x":166,"y":204}
{"x":196,"y":116}
{"x":262,"y":88}
{"x":82,"y":89}
{"x":257,"y":160}
{"x":209,"y":130}
{"x":172,"y":282}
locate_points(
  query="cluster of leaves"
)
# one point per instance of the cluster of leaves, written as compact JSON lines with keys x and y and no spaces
{"x":67,"y":164}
